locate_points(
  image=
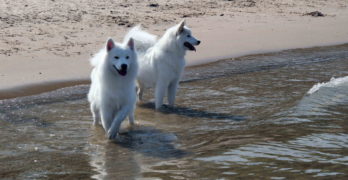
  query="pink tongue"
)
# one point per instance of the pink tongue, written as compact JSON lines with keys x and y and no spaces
{"x":123,"y":73}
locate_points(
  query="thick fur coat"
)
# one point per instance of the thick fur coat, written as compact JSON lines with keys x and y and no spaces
{"x":161,"y":62}
{"x":112,"y":94}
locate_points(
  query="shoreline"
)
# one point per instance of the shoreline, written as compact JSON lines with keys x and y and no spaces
{"x":39,"y":52}
{"x":38,"y":88}
{"x":34,"y":89}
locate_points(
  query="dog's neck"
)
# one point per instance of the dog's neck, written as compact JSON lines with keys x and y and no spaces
{"x":171,"y":47}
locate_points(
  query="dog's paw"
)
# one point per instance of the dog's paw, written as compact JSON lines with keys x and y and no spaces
{"x":159,"y":108}
{"x":167,"y":106}
{"x":112,"y":134}
{"x":164,"y":108}
{"x":95,"y":123}
{"x":134,"y":126}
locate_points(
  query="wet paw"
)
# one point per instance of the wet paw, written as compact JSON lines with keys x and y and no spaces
{"x":160,"y":108}
{"x":133,"y":126}
{"x":112,"y":134}
{"x":95,"y":123}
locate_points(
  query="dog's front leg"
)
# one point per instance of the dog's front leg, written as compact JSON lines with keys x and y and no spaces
{"x":161,"y":87}
{"x":116,"y":123}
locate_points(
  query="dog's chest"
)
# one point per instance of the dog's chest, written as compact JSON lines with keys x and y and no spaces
{"x":174,"y":67}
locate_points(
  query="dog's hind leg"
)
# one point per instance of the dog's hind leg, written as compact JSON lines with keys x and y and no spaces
{"x":131,"y":118}
{"x":106,"y":114}
{"x":173,"y":86}
{"x":140,"y":92}
{"x":95,"y":114}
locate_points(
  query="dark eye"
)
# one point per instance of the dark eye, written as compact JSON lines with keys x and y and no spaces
{"x":116,"y":57}
{"x":188,"y":36}
{"x":127,"y":57}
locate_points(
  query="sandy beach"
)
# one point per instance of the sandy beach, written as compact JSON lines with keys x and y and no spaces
{"x":45,"y":45}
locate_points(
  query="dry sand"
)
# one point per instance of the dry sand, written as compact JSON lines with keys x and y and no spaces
{"x":46,"y":44}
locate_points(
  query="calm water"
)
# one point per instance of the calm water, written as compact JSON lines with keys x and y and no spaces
{"x":256,"y":117}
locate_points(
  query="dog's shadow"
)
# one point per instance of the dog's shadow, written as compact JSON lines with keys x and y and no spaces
{"x":150,"y":142}
{"x":157,"y":143}
{"x":193,"y":113}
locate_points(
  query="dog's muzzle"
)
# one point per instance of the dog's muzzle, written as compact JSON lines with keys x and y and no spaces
{"x":123,"y":70}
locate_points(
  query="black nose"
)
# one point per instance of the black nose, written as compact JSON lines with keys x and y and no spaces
{"x":124,"y":66}
{"x":198,"y":42}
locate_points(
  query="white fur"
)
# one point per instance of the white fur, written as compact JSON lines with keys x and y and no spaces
{"x":143,"y":40}
{"x":112,"y":96}
{"x":161,"y":62}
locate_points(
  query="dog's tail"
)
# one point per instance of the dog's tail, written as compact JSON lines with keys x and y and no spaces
{"x":142,"y":40}
{"x":95,"y":60}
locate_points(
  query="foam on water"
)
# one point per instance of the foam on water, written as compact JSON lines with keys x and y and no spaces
{"x":323,"y":101}
{"x":334,"y":82}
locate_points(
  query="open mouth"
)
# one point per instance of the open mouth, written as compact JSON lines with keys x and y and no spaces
{"x":122,"y":72}
{"x":189,"y":46}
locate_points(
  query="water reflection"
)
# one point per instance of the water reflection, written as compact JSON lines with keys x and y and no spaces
{"x":308,"y":149}
{"x":109,"y":158}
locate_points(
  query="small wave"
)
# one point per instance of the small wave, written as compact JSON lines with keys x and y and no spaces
{"x":334,"y":82}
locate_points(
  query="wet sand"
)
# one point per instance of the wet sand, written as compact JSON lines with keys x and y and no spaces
{"x":43,"y":42}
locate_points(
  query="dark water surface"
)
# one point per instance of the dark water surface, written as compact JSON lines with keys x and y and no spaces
{"x":255,"y":117}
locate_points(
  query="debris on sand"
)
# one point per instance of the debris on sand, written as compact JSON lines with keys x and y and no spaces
{"x":153,"y":5}
{"x":315,"y":14}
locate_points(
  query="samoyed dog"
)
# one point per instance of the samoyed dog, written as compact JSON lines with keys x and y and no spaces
{"x":112,"y":95}
{"x":161,"y":62}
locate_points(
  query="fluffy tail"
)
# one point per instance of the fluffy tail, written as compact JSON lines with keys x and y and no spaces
{"x":97,"y":58}
{"x":142,"y":40}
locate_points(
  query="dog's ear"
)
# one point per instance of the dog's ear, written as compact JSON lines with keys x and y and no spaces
{"x":181,"y":27}
{"x":110,"y":44}
{"x":130,"y":44}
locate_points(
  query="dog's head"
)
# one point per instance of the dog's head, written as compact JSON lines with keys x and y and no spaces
{"x":120,"y":57}
{"x":185,"y":37}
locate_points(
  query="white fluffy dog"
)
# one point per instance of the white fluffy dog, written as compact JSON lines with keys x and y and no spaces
{"x":161,"y":62}
{"x":112,"y":94}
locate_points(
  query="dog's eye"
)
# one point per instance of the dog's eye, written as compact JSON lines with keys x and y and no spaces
{"x":127,"y":57}
{"x":188,"y":36}
{"x":116,"y":57}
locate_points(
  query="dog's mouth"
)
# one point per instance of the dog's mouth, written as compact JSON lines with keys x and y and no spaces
{"x":189,"y":46}
{"x":122,"y":72}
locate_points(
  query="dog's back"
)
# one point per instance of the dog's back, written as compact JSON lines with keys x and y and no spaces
{"x":142,"y":40}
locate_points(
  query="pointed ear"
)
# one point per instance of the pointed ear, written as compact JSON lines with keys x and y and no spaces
{"x":110,"y":44}
{"x":181,"y":27}
{"x":130,"y":44}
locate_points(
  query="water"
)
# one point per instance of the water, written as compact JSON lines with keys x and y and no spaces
{"x":272,"y":116}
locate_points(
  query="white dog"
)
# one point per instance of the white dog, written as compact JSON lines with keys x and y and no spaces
{"x":112,"y":94}
{"x":162,"y":62}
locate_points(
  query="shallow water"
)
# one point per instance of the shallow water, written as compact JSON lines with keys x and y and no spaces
{"x":256,"y":117}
